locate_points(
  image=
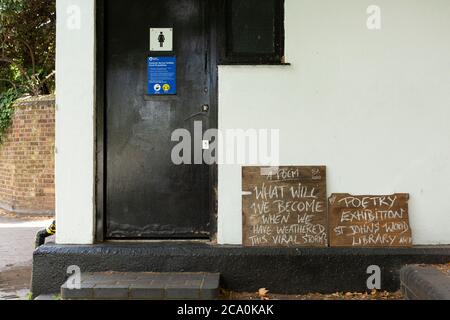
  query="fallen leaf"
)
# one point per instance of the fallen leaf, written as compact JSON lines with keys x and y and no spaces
{"x":262,"y":293}
{"x":337,"y":294}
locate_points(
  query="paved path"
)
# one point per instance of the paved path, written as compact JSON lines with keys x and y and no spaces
{"x":16,"y":251}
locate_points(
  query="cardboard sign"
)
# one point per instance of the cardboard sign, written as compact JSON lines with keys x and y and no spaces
{"x":284,"y":207}
{"x":162,"y":75}
{"x":369,"y":221}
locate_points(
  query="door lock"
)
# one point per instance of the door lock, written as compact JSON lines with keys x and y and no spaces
{"x":205,"y":108}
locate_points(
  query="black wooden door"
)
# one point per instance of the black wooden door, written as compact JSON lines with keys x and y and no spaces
{"x":147,"y":196}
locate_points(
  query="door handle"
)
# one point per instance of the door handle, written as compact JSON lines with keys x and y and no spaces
{"x":204,"y":112}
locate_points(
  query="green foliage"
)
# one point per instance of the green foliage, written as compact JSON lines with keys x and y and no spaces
{"x":7,"y":99}
{"x":27,"y":45}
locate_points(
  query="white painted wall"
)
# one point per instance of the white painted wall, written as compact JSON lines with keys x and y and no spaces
{"x":374,"y":106}
{"x":371,"y":105}
{"x":75,"y":121}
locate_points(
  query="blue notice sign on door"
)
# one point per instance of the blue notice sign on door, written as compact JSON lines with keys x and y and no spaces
{"x":162,"y":75}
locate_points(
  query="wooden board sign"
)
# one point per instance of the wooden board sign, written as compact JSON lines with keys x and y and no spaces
{"x":369,"y":221}
{"x":284,"y":207}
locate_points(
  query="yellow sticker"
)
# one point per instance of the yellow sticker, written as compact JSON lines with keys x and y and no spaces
{"x":166,"y":87}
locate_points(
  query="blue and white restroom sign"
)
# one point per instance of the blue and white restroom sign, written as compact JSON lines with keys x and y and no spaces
{"x":162,"y":75}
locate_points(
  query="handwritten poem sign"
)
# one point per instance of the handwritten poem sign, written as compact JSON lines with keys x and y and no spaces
{"x":284,"y":207}
{"x":369,"y":221}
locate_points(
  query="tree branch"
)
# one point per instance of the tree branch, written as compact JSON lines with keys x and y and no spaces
{"x":48,"y":77}
{"x":33,"y":58}
{"x":22,"y":70}
{"x":10,"y":82}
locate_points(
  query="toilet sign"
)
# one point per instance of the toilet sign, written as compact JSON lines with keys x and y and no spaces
{"x":162,"y":75}
{"x":161,"y":39}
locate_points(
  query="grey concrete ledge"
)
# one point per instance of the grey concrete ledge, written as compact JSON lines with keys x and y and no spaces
{"x":26,"y":212}
{"x":281,"y":270}
{"x":424,"y":283}
{"x":29,"y":101}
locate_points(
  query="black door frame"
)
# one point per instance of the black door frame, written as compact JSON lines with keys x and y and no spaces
{"x":213,"y":10}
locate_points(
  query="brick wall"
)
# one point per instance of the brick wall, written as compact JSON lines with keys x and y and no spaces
{"x":27,"y":159}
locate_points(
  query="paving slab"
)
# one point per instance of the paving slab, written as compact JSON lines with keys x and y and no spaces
{"x":144,"y":286}
{"x":17,"y":238}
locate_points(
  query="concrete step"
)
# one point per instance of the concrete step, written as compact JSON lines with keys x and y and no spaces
{"x":143,"y":286}
{"x":47,"y":297}
{"x":422,"y":282}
